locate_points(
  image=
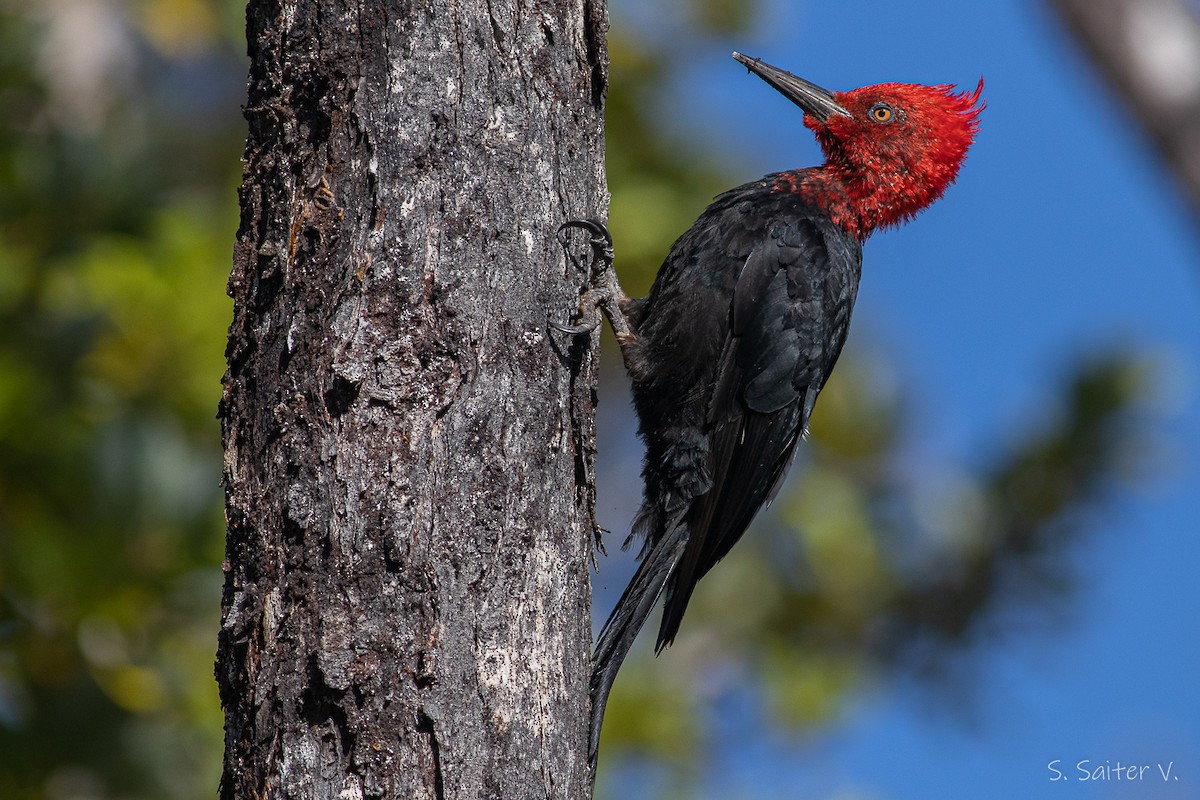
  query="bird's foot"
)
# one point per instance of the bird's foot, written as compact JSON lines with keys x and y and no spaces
{"x":605,"y":292}
{"x":601,"y":241}
{"x":589,"y":312}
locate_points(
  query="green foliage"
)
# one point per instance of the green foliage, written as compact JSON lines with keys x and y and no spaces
{"x":659,"y":186}
{"x":857,"y":570}
{"x":116,"y":227}
{"x":114,"y":252}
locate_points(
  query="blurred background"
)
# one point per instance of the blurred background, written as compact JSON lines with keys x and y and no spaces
{"x":983,"y":569}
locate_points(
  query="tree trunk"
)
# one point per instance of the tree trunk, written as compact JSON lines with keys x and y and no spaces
{"x":408,"y":449}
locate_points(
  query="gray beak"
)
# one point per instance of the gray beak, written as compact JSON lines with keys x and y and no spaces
{"x":810,"y":97}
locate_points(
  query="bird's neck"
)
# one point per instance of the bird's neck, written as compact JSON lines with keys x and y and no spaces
{"x":862,"y":201}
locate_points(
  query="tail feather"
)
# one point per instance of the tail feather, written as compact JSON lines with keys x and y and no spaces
{"x":621,"y":629}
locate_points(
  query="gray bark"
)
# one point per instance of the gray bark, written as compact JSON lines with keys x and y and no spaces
{"x":408,"y":449}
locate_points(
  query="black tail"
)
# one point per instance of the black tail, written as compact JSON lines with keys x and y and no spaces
{"x":619,"y":632}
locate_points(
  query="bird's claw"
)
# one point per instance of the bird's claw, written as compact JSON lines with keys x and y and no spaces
{"x":601,"y":241}
{"x":589,"y":311}
{"x":602,"y":259}
{"x":575,"y":330}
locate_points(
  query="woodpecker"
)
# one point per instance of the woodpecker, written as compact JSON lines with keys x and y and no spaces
{"x":744,"y":323}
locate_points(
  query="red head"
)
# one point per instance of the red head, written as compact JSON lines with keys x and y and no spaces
{"x":890,"y":149}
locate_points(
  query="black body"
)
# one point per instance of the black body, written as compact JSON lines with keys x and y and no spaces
{"x":738,"y":335}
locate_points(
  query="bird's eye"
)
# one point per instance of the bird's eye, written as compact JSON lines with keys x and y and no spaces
{"x":881,"y":112}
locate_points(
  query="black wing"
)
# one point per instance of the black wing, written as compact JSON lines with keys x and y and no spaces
{"x":789,"y":317}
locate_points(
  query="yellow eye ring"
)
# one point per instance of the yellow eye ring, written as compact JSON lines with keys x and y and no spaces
{"x":882,"y":113}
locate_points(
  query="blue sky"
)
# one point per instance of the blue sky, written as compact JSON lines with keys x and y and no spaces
{"x":1064,"y":235}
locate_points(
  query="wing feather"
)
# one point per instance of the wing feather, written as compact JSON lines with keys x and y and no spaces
{"x":784,"y":334}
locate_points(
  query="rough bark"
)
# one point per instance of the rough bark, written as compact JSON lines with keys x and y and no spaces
{"x":408,"y":449}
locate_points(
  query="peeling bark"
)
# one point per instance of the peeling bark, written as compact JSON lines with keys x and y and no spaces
{"x":408,"y":449}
